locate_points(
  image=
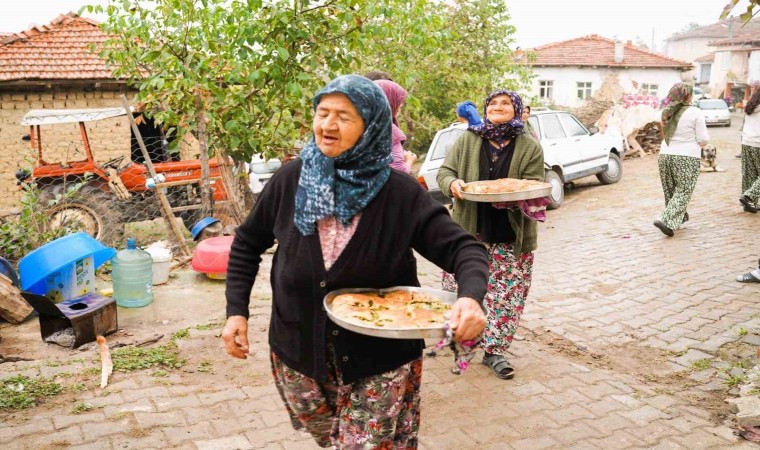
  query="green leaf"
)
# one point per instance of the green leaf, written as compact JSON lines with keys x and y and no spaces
{"x":283,"y":53}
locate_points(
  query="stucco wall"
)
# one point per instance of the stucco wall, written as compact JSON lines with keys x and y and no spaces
{"x":566,"y":79}
{"x":108,"y":138}
{"x":754,"y":66}
{"x":688,"y":50}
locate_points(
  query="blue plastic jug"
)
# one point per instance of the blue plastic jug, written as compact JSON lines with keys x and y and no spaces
{"x":132,"y":275}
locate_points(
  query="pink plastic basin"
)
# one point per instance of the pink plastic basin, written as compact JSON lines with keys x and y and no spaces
{"x":212,"y":255}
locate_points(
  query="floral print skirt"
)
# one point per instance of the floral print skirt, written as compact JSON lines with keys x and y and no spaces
{"x":377,"y":412}
{"x":508,"y":285}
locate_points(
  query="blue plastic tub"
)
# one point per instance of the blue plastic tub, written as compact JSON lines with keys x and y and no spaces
{"x":56,"y":255}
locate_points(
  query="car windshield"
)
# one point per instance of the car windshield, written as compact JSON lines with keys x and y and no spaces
{"x":445,"y":140}
{"x":712,"y":104}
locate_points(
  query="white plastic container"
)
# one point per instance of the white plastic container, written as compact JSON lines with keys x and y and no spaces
{"x":162,"y":261}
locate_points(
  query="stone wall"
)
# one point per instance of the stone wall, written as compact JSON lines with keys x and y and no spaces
{"x":108,"y":138}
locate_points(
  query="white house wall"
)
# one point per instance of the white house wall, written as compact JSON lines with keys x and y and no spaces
{"x":688,"y":50}
{"x":754,"y":66}
{"x":565,"y":79}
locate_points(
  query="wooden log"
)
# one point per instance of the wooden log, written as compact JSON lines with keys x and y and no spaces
{"x":13,"y":307}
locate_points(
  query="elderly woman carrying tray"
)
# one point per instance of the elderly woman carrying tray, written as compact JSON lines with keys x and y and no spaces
{"x":344,"y":219}
{"x":499,"y":148}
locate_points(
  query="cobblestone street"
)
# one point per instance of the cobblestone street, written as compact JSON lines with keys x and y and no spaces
{"x":605,"y":356}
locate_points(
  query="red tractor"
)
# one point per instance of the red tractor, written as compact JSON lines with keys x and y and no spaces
{"x":110,"y":194}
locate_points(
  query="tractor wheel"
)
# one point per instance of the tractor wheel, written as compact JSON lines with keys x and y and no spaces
{"x":90,"y":210}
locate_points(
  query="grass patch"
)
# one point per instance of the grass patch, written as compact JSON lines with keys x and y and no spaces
{"x":735,"y":380}
{"x":91,"y":371}
{"x":205,"y":367}
{"x":77,"y":387}
{"x":742,"y":332}
{"x":127,"y":359}
{"x":701,"y":364}
{"x":209,"y":326}
{"x":82,"y":407}
{"x":181,"y":334}
{"x":21,"y":392}
{"x":160,"y":373}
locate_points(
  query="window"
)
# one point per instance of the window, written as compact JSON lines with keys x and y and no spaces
{"x":546,"y":89}
{"x":649,"y":89}
{"x":584,"y":90}
{"x":533,"y":121}
{"x":572,"y":127}
{"x":444,"y":143}
{"x":551,"y":126}
{"x":704,"y":76}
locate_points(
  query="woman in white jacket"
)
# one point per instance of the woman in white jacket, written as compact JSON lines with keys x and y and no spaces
{"x":751,"y":154}
{"x":685,"y":135}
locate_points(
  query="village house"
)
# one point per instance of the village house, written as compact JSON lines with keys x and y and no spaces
{"x":726,"y":56}
{"x":54,"y":67}
{"x":569,"y":72}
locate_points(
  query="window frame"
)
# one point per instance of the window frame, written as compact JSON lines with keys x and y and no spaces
{"x":646,"y":88}
{"x":546,"y":89}
{"x":583,"y":89}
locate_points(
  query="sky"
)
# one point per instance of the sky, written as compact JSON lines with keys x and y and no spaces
{"x":537,"y":21}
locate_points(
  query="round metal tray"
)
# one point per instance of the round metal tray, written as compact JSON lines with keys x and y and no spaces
{"x":507,"y":196}
{"x":387,"y":332}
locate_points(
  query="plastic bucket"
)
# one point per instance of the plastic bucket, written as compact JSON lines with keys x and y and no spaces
{"x":162,"y":262}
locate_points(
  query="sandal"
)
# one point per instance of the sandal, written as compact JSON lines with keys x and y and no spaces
{"x":500,"y":366}
{"x":748,"y":204}
{"x":747,"y":278}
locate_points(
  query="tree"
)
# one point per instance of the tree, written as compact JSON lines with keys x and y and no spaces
{"x":444,"y":53}
{"x":746,"y":16}
{"x":250,"y":69}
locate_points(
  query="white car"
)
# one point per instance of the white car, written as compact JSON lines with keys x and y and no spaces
{"x":715,"y":111}
{"x":570,"y":152}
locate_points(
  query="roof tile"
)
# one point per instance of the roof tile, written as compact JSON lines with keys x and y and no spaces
{"x":57,"y":51}
{"x":594,"y":50}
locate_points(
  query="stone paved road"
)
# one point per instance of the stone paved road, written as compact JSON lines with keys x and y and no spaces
{"x":617,"y":316}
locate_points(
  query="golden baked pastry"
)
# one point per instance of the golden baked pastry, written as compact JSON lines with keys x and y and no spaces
{"x":392,"y":310}
{"x":503,"y":185}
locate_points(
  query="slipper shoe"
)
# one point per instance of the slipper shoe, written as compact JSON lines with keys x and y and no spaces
{"x":747,"y":278}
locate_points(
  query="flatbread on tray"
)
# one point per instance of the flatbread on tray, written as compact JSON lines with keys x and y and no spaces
{"x":503,"y":185}
{"x":390,"y":310}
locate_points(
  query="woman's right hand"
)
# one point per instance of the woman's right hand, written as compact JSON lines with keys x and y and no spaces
{"x":235,"y":335}
{"x":456,"y":189}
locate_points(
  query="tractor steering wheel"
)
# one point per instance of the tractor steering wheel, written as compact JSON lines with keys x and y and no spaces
{"x":114,"y":162}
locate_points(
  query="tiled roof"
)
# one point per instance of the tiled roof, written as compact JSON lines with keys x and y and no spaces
{"x":748,"y":38}
{"x":594,"y":50}
{"x":718,"y":30}
{"x":706,"y":58}
{"x":57,"y":51}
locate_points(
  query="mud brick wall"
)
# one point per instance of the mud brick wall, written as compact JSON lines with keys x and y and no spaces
{"x":108,"y":138}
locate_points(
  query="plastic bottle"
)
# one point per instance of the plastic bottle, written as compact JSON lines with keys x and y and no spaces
{"x":132,"y":274}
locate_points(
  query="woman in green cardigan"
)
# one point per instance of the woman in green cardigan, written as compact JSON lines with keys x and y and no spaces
{"x":498,"y":148}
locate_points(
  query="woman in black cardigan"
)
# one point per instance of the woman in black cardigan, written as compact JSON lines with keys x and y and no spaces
{"x":344,"y":219}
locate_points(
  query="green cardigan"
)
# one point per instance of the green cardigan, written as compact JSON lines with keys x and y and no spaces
{"x":463,"y":162}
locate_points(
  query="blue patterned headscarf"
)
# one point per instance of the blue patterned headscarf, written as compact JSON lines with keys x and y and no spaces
{"x":505,"y":131}
{"x":345,"y":185}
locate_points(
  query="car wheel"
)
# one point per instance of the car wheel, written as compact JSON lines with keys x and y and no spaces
{"x":558,"y":189}
{"x":614,"y":171}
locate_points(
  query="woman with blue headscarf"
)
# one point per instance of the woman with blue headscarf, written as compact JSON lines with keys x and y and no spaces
{"x":498,"y":148}
{"x":344,"y":219}
{"x":468,"y":113}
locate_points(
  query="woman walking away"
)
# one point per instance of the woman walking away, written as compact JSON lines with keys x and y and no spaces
{"x":468,"y":113}
{"x":680,"y":152}
{"x":344,"y":219}
{"x":751,"y":154}
{"x":496,"y":149}
{"x":396,"y":95}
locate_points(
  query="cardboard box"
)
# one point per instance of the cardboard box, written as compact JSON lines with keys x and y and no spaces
{"x":72,"y":281}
